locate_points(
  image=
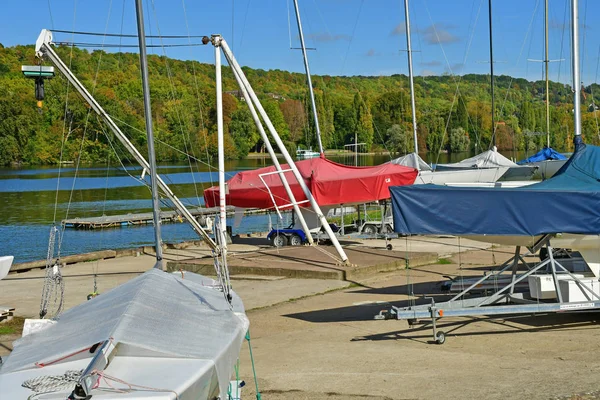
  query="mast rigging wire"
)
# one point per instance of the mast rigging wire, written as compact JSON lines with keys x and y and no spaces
{"x":122,"y":35}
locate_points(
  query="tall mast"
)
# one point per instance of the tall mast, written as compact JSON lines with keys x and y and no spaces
{"x":576,"y":78}
{"x":410,"y":77}
{"x":546,"y":61}
{"x":310,"y":87}
{"x":148,"y":115}
{"x":492,"y":73}
{"x":220,"y":141}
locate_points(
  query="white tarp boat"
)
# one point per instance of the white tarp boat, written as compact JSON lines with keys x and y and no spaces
{"x":121,"y":342}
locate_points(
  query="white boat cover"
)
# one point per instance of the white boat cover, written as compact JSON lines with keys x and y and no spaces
{"x":412,"y":160}
{"x":156,"y":314}
{"x":488,"y":159}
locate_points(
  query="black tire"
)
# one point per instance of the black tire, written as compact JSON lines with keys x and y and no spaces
{"x":295,"y":240}
{"x":369,"y":229}
{"x":279,"y":240}
{"x":440,"y":337}
{"x":386,"y":229}
{"x":389,"y":246}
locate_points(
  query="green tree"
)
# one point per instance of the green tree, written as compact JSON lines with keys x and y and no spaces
{"x":458,"y":140}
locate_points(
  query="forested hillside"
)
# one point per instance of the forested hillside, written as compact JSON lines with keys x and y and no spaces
{"x":454,"y":113}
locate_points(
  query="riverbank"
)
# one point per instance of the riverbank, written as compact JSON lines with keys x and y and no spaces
{"x":316,"y":338}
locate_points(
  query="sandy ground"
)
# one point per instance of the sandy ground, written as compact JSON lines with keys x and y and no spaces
{"x":316,"y":339}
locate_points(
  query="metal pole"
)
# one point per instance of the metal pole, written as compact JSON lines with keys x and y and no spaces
{"x":410,"y":78}
{"x":148,"y":115}
{"x":310,"y":88}
{"x":355,"y":149}
{"x":492,"y":73}
{"x":576,"y":78}
{"x":234,"y":65}
{"x":276,"y":163}
{"x":220,"y":140}
{"x":546,"y":61}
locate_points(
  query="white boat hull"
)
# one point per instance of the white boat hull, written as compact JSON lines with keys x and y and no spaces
{"x":460,"y":176}
{"x":5,"y":264}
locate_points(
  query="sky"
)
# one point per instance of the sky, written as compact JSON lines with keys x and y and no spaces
{"x":349,"y":37}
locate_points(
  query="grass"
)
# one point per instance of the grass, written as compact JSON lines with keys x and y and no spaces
{"x":12,"y":327}
{"x":444,"y":261}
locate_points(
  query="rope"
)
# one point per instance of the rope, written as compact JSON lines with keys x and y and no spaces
{"x":53,"y":383}
{"x":108,"y":378}
{"x":258,"y":395}
{"x":54,"y":283}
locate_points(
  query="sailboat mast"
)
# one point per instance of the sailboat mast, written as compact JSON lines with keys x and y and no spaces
{"x":576,"y":78}
{"x":148,"y":114}
{"x":410,"y":76}
{"x":307,"y":69}
{"x":221,"y":142}
{"x":546,"y":61}
{"x":492,"y":73}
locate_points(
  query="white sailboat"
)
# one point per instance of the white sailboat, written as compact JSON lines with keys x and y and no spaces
{"x":158,"y":336}
{"x":426,"y":174}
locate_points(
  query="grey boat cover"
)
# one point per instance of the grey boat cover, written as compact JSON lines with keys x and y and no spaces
{"x":487,"y":159}
{"x":412,"y":160}
{"x":154,"y":314}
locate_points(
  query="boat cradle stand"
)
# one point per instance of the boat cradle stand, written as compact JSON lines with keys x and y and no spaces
{"x":503,"y":302}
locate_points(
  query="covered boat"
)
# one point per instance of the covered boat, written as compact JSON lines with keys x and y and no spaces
{"x":450,"y":177}
{"x":548,"y":161}
{"x":566,"y":203}
{"x":329,"y":182}
{"x":492,"y":159}
{"x":124,"y":331}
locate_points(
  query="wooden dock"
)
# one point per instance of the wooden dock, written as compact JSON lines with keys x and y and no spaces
{"x":124,"y":220}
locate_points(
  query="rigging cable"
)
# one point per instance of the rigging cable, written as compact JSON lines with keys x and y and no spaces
{"x":198,"y":99}
{"x":73,"y":32}
{"x":178,"y":112}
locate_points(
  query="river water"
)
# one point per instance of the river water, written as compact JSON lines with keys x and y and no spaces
{"x":31,"y":204}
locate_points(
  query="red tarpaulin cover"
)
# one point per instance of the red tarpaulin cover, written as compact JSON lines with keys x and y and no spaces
{"x":330,"y":183}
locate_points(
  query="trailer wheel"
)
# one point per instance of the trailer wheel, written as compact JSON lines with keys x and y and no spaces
{"x":295,"y":240}
{"x":370,"y":229}
{"x":440,"y":337}
{"x":279,"y":240}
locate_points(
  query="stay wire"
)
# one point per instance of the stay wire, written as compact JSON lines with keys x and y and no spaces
{"x":200,"y":111}
{"x":178,"y":113}
{"x":94,"y":84}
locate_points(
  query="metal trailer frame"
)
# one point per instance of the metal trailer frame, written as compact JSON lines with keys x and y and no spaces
{"x":503,"y":302}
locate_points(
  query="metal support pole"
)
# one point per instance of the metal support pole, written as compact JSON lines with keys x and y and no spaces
{"x":553,"y":269}
{"x":220,"y":139}
{"x":515,"y":266}
{"x":410,"y":78}
{"x":576,"y":78}
{"x":151,"y":154}
{"x":274,"y":159}
{"x":546,"y":61}
{"x":43,"y":48}
{"x":234,"y":65}
{"x":492,"y":73}
{"x":310,"y":88}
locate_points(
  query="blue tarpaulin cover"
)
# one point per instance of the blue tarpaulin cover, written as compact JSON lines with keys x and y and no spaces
{"x":547,"y":153}
{"x":569,"y":202}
